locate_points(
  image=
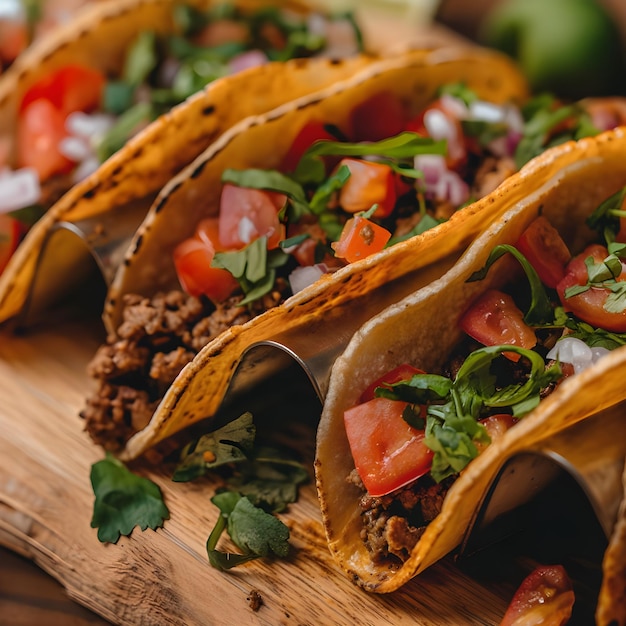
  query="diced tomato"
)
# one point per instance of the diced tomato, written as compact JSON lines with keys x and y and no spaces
{"x":359,"y":239}
{"x":387,"y":452}
{"x":219,"y":32}
{"x":437,"y":122}
{"x":310,"y":133}
{"x":369,"y":183}
{"x":192,"y":259}
{"x":545,"y":597}
{"x":545,"y":250}
{"x":496,"y":425}
{"x":494,"y":319}
{"x":11,"y":231}
{"x":589,"y":305}
{"x":402,"y":372}
{"x":39,"y":133}
{"x":378,"y":117}
{"x":247,"y":214}
{"x":13,"y":39}
{"x":71,"y":88}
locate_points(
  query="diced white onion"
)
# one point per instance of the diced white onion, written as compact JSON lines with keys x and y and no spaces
{"x":454,"y":106}
{"x":246,"y":229}
{"x":305,"y":275}
{"x":486,"y":112}
{"x":74,"y":148}
{"x":19,"y":189}
{"x":440,"y":182}
{"x":88,"y":126}
{"x":576,"y":352}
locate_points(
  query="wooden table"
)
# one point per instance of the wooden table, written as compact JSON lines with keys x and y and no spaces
{"x":164,"y":577}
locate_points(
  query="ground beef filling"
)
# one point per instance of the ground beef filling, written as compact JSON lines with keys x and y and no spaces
{"x":157,"y":338}
{"x":394,"y":523}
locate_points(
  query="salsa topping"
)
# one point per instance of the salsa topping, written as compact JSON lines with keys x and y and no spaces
{"x":412,"y":430}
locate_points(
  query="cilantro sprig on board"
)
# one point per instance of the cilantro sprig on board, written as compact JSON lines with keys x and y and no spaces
{"x":261,"y":481}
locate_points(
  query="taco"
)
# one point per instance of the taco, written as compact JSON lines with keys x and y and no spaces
{"x":23,"y":23}
{"x":390,"y":91}
{"x":480,"y":364}
{"x":127,"y":76}
{"x":611,"y":609}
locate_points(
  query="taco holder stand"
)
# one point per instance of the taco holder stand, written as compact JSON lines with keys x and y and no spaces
{"x":587,"y":489}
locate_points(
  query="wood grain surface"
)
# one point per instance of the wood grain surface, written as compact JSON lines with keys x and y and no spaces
{"x":163,"y":577}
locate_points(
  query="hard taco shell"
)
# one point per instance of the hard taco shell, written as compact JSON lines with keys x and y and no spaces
{"x":566,"y":183}
{"x":128,"y":181}
{"x":611,"y":609}
{"x":326,"y":313}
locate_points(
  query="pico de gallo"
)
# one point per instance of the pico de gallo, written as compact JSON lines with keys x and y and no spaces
{"x":74,"y":119}
{"x":412,"y":433}
{"x":24,"y":21}
{"x":337,"y":198}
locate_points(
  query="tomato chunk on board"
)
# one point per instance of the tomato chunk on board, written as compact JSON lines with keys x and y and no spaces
{"x":387,"y":452}
{"x":545,"y":598}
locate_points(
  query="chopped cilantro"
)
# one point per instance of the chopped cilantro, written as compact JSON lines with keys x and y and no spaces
{"x":262,"y":482}
{"x":454,"y":406}
{"x":123,"y":501}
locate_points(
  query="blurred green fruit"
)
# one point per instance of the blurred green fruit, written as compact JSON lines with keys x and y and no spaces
{"x":569,"y":47}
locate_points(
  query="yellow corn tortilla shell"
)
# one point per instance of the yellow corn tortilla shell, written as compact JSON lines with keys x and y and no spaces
{"x":566,"y":183}
{"x":131,"y":178}
{"x":310,"y":320}
{"x":611,"y":609}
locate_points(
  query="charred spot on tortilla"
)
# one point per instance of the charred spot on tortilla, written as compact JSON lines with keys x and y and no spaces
{"x":136,"y":247}
{"x":92,"y":193}
{"x":198,"y":170}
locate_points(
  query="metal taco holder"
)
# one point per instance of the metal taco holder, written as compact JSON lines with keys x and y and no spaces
{"x":553,"y":503}
{"x":87,"y":254}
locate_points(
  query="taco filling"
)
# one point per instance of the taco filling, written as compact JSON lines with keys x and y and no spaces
{"x":74,"y":119}
{"x":335,"y":200}
{"x":24,"y":21}
{"x":413,"y":433}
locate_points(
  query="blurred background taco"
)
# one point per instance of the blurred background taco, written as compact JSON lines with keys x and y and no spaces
{"x":112,"y":104}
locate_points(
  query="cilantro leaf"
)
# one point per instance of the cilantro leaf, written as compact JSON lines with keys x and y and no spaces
{"x":254,"y":267}
{"x":123,"y":501}
{"x":255,"y":532}
{"x":230,"y":444}
{"x":540,"y":310}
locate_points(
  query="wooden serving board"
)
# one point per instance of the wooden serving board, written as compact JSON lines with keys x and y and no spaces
{"x":164,"y":577}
